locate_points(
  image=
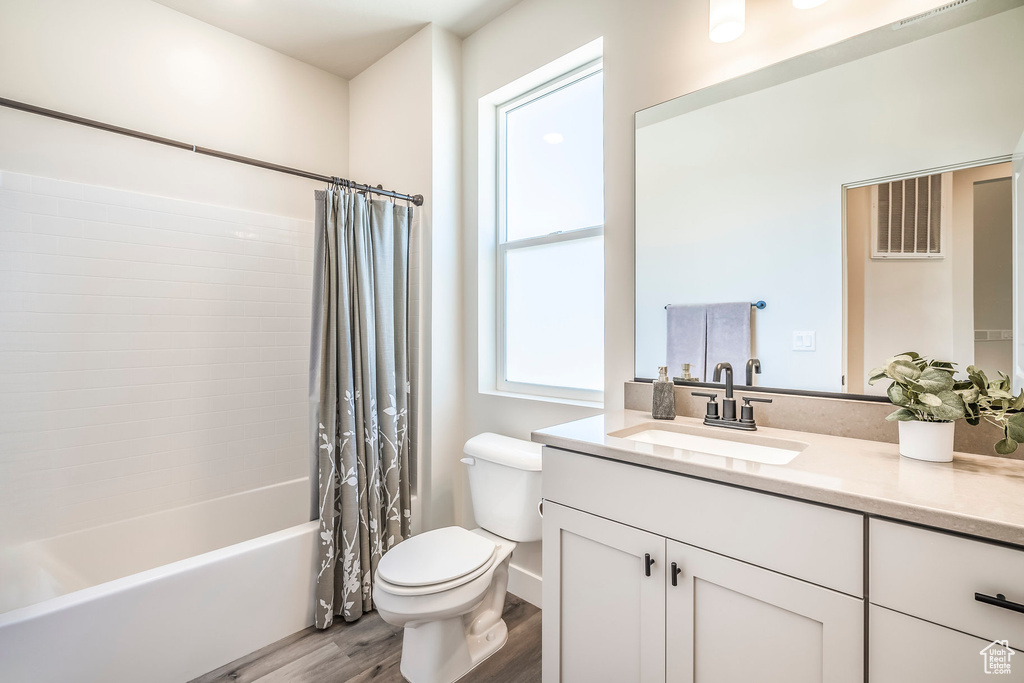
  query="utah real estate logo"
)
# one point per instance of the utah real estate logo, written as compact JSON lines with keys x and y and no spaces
{"x":996,"y":657}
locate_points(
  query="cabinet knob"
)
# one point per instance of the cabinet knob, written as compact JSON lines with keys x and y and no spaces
{"x":648,"y":563}
{"x":676,"y":571}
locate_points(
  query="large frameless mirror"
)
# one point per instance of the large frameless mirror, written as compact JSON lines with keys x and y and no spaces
{"x":831,"y":211}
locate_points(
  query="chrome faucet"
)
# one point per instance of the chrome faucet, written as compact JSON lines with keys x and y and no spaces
{"x":728,"y":417}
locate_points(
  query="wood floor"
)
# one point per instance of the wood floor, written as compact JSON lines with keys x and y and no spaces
{"x":370,"y":650}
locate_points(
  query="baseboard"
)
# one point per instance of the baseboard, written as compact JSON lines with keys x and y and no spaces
{"x":524,"y":584}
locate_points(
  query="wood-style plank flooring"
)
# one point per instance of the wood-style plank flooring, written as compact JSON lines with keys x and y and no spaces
{"x":370,"y":650}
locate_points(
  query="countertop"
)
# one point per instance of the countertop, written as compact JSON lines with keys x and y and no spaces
{"x":975,"y":494}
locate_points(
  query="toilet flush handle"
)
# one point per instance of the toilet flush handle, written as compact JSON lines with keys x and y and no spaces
{"x":469,"y":461}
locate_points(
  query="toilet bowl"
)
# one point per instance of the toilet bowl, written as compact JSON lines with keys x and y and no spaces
{"x":447,"y":587}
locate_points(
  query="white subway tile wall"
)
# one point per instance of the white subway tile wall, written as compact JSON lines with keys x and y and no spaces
{"x":153,"y":353}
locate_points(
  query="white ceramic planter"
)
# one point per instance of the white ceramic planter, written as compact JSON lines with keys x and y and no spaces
{"x":932,"y":441}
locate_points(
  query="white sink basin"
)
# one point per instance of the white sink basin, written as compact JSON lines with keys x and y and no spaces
{"x":751,"y":448}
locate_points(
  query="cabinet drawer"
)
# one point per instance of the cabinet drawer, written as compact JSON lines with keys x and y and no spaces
{"x":935,"y":576}
{"x":810,"y":542}
{"x":906,"y":649}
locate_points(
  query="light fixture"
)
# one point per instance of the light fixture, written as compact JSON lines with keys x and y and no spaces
{"x":553,"y":138}
{"x":727,"y":20}
{"x":808,"y":4}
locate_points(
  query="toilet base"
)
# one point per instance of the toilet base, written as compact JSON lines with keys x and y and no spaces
{"x":447,"y":634}
{"x":443,"y":651}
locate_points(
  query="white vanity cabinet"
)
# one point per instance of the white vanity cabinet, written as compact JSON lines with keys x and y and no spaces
{"x":616,"y":609}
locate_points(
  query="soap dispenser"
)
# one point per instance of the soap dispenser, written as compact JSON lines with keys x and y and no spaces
{"x":664,"y":407}
{"x":687,"y":377}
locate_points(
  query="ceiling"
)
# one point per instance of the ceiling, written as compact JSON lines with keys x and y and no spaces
{"x":340,"y":36}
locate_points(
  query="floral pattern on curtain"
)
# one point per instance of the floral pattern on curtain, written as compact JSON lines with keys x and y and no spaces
{"x":359,"y":393}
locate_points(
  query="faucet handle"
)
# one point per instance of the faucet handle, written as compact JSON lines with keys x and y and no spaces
{"x":712,"y":408}
{"x":747,"y":411}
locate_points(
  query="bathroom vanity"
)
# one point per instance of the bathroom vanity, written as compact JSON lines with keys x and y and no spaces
{"x":777,"y":556}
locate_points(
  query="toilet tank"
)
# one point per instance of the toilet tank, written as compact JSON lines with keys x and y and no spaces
{"x":504,"y":482}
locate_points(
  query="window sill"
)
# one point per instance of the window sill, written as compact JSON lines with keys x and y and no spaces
{"x":599,"y":405}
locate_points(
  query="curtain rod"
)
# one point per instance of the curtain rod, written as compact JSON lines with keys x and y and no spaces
{"x":61,"y":116}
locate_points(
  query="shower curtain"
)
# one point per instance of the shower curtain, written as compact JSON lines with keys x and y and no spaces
{"x":359,"y":393}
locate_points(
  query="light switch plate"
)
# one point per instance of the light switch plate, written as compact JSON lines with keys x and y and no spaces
{"x":803,"y":341}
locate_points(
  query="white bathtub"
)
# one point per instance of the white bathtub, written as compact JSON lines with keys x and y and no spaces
{"x":164,"y":597}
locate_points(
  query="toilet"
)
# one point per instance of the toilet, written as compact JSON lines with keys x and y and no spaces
{"x":447,"y":587}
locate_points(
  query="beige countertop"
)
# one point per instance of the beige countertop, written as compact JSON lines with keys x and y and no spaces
{"x":975,"y":494}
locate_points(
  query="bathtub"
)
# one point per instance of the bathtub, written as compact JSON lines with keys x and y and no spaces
{"x":163,"y":597}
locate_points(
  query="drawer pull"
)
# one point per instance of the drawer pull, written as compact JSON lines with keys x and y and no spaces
{"x":999,"y":601}
{"x":648,"y":563}
{"x":676,"y":571}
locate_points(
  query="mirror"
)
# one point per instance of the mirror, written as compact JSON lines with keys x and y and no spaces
{"x":863,"y":193}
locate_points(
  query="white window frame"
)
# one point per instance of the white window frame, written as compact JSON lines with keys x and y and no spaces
{"x":504,"y":246}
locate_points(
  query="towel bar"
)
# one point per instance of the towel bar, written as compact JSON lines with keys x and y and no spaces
{"x":759,"y":305}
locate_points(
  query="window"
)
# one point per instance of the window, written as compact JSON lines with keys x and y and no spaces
{"x":550,"y":246}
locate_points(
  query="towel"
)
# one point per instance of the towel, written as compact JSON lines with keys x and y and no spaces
{"x":687,"y":338}
{"x":728,"y":338}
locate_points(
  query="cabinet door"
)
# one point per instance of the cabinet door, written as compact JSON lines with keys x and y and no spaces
{"x":730,"y":621}
{"x":604,"y":617}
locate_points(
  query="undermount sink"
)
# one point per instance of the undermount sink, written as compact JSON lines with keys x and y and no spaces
{"x":752,"y":448}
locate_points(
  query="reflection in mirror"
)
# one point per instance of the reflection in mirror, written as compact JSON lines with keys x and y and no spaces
{"x":780,"y":186}
{"x":929,"y":266}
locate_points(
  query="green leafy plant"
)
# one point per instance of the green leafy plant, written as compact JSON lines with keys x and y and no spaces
{"x":994,"y":402}
{"x":923,"y":389}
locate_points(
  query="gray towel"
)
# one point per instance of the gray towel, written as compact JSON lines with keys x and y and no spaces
{"x":687,"y":338}
{"x":728,"y":338}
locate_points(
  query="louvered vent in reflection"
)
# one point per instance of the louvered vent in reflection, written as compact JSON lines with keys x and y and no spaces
{"x":908,"y":218}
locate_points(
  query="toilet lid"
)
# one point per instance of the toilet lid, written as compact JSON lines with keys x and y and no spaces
{"x":435,"y":557}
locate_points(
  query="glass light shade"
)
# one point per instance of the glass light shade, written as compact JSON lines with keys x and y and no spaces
{"x":727,"y":20}
{"x":808,"y":4}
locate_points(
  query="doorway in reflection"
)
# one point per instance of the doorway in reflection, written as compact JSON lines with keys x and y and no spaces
{"x":929,"y":268}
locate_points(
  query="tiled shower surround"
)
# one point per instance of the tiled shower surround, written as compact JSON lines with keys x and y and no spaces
{"x":153,"y":353}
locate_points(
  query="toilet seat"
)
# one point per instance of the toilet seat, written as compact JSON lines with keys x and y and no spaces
{"x":435,"y":561}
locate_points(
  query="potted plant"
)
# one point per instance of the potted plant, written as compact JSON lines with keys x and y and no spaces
{"x":994,"y":402}
{"x":929,"y":402}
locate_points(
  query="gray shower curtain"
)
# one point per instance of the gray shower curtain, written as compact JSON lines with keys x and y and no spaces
{"x":359,"y":393}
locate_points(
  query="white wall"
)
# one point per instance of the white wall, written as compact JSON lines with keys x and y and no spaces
{"x":175,"y":305}
{"x":140,"y":65}
{"x":404,"y":124}
{"x":908,"y":305}
{"x":653,"y":50}
{"x":750,"y":190}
